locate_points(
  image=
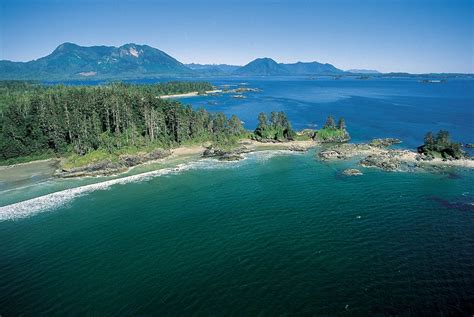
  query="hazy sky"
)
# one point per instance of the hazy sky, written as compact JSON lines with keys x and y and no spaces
{"x":391,"y":35}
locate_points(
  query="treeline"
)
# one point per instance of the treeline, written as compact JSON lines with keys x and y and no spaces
{"x":60,"y":119}
{"x":175,"y":87}
{"x":276,"y":128}
{"x":331,"y":124}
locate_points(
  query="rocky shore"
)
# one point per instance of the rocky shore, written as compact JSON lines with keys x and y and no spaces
{"x":125,"y":162}
{"x":108,"y":167}
{"x":248,"y":146}
{"x":378,"y":154}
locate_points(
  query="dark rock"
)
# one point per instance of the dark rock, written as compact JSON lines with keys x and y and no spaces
{"x":212,"y":152}
{"x":130,"y":160}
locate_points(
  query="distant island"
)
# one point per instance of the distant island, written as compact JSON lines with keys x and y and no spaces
{"x":363,"y":71}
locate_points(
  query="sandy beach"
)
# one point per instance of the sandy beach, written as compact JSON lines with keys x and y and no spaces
{"x":189,"y":94}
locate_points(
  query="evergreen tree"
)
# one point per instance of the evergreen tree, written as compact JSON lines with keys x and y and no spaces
{"x":330,"y":124}
{"x":235,"y":125}
{"x":341,"y":125}
{"x":442,"y":138}
{"x":429,"y":139}
{"x":60,"y":119}
{"x":262,"y":121}
{"x":274,"y":119}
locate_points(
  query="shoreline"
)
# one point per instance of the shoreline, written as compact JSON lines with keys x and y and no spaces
{"x":183,"y":152}
{"x":50,"y":166}
{"x":337,"y":152}
{"x":189,"y":94}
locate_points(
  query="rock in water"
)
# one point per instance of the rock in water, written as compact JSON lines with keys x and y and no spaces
{"x":352,"y":172}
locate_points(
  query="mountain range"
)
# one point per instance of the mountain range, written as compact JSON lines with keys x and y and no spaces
{"x":71,"y":62}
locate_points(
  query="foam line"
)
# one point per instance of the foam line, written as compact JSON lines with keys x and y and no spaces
{"x":54,"y":200}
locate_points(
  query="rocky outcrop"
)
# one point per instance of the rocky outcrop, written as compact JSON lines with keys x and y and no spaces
{"x":352,"y":172}
{"x":331,"y":155}
{"x":345,"y":151}
{"x":384,"y":161}
{"x":226,"y":155}
{"x":375,"y":154}
{"x":132,"y":160}
{"x":107,"y":167}
{"x":95,"y":169}
{"x":384,"y":142}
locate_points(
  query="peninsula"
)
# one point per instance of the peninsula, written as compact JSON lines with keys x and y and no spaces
{"x":100,"y":130}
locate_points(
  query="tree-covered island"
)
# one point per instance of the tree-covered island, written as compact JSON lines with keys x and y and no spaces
{"x":441,"y":146}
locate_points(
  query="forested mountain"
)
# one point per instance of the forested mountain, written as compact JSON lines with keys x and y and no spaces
{"x":71,"y":61}
{"x":268,"y":67}
{"x":64,"y":119}
{"x":312,"y":68}
{"x":262,"y":67}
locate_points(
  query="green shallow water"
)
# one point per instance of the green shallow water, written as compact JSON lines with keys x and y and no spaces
{"x":274,"y":234}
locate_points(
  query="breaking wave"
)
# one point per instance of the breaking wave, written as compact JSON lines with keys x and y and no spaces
{"x":54,"y":200}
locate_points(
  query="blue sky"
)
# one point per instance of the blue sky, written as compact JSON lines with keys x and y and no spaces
{"x":391,"y":35}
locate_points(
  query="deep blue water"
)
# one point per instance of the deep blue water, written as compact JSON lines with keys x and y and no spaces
{"x":402,"y":108}
{"x":275,"y":234}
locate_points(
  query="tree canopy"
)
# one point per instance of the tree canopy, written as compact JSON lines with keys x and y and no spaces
{"x":441,"y":146}
{"x":66,"y":119}
{"x":278,"y":129}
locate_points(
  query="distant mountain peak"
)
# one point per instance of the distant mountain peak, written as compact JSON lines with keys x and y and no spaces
{"x":71,"y":61}
{"x":263,"y":66}
{"x":266,"y":67}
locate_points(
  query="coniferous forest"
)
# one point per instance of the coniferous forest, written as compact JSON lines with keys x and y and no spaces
{"x":55,"y":120}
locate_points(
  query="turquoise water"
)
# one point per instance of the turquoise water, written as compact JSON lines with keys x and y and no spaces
{"x":277,"y":233}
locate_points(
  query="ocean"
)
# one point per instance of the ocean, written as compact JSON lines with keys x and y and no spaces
{"x":279,"y":233}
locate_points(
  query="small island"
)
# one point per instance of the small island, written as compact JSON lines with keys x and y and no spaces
{"x":332,"y":133}
{"x":441,"y":147}
{"x":434,"y":153}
